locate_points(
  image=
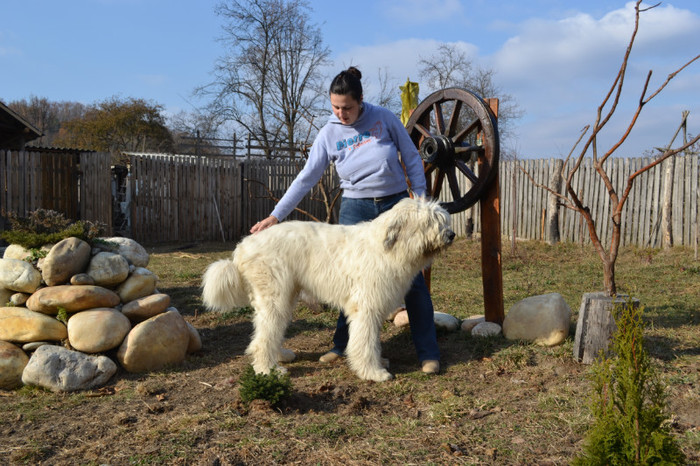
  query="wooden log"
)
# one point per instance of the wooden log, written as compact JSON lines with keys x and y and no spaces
{"x":595,"y":325}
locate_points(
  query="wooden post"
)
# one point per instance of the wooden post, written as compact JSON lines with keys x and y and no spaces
{"x":596,"y":325}
{"x":491,"y":271}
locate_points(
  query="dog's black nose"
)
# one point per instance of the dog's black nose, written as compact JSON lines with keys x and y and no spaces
{"x":451,"y":235}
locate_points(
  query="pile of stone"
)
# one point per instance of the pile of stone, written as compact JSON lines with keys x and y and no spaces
{"x":66,"y":318}
{"x":543,"y":320}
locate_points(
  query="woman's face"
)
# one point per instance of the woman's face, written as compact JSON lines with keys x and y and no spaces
{"x":345,"y":108}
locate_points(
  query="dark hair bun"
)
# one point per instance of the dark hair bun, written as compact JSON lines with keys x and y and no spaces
{"x":354,"y":71}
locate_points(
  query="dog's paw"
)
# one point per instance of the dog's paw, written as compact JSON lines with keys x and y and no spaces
{"x":379,"y":376}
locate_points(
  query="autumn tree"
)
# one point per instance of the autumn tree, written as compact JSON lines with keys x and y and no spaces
{"x":116,"y":125}
{"x":268,"y":82}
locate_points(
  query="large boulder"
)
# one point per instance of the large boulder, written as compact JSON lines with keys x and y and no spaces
{"x":18,"y":275}
{"x":65,"y":259}
{"x":97,"y":330}
{"x":543,"y":319}
{"x":12,"y":363}
{"x":108,"y":269}
{"x":155,"y":343}
{"x":127,"y":247}
{"x":63,"y":370}
{"x":72,"y":298}
{"x":22,"y":325}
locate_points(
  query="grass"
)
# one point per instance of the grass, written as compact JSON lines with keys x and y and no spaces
{"x":495,"y":402}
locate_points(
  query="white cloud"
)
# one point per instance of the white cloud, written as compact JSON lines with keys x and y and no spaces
{"x":399,"y":58}
{"x":559,"y":72}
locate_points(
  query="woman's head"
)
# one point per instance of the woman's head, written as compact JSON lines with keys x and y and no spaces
{"x":346,"y":95}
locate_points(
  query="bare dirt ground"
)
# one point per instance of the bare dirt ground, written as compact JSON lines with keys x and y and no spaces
{"x":495,"y":402}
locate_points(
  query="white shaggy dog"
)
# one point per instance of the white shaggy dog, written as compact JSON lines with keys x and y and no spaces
{"x":364,"y":269}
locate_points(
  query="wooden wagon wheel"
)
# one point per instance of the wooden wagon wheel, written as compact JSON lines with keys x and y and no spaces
{"x":469,"y":135}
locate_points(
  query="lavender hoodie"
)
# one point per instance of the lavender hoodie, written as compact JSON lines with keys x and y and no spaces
{"x":365,"y":157}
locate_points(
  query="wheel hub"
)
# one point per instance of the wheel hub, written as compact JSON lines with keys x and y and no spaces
{"x":438,"y":150}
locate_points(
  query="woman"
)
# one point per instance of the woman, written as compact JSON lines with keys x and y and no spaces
{"x":363,"y":141}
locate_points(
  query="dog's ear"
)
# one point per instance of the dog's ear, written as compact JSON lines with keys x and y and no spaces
{"x":392,"y":235}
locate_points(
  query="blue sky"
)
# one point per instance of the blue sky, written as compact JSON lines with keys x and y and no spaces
{"x":556,"y":58}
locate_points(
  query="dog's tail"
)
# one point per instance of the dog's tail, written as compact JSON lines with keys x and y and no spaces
{"x":223,"y":288}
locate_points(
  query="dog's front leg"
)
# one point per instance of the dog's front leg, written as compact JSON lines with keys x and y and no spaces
{"x":364,"y":346}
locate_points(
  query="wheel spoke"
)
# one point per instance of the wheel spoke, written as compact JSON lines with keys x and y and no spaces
{"x":454,"y":118}
{"x":439,"y":119}
{"x":474,"y":125}
{"x":429,"y":168}
{"x":422,"y":130}
{"x":454,"y":184}
{"x":464,"y":168}
{"x":437,"y":184}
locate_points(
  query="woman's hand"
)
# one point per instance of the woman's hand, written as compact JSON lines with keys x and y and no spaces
{"x":266,"y":223}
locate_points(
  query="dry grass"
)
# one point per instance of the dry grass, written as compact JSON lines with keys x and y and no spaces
{"x":496,"y":401}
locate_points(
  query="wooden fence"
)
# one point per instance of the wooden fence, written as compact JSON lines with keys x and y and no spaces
{"x":526,"y":207}
{"x":77,"y":184}
{"x":188,"y":198}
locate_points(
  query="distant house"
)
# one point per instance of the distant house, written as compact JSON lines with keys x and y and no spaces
{"x":15,"y":131}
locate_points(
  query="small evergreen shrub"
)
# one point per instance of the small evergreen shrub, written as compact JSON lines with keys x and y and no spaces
{"x":44,"y":226}
{"x":273,"y":387}
{"x":628,"y":403}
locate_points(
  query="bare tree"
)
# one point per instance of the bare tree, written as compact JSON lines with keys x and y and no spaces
{"x":451,"y":67}
{"x":268,"y":81}
{"x":47,"y":116}
{"x":572,"y":200}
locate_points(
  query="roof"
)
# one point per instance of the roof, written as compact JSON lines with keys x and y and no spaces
{"x":15,"y":131}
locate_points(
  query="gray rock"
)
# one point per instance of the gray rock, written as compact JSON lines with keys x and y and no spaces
{"x":82,"y":279}
{"x":543,"y":319}
{"x":12,"y":363}
{"x":18,"y":275}
{"x":18,"y":299}
{"x":108,"y":269}
{"x":32,"y":346}
{"x":130,"y":249}
{"x":445,"y":321}
{"x":63,"y":370}
{"x":65,"y":259}
{"x":486,"y":329}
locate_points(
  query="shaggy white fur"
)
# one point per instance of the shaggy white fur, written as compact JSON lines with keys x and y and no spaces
{"x":364,"y":269}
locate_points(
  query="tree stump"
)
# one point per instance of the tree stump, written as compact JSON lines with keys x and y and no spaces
{"x":596,"y":325}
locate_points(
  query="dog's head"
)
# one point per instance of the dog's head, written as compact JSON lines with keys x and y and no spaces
{"x":418,"y":226}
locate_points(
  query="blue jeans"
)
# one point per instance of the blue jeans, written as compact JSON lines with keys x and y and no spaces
{"x":418,"y":303}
